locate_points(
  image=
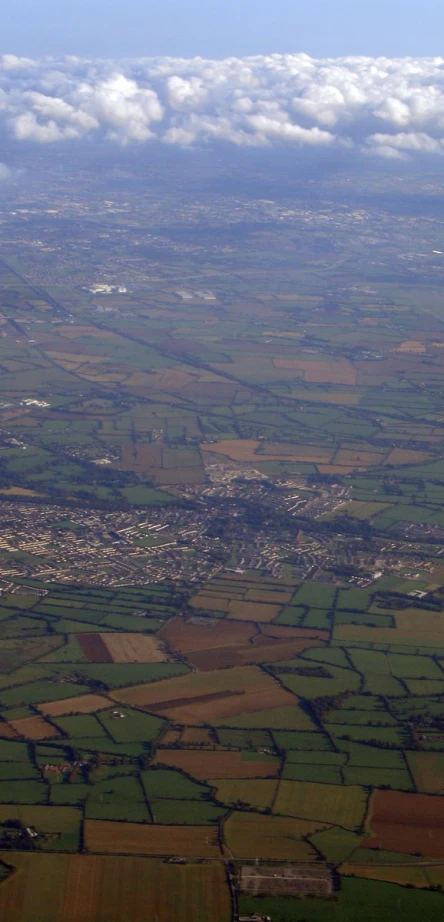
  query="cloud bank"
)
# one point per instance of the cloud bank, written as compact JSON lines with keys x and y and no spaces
{"x":390,"y":107}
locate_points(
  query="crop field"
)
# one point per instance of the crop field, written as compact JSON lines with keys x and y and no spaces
{"x":138,"y":839}
{"x":97,"y":888}
{"x":222,"y":605}
{"x":250,"y":835}
{"x":411,"y":823}
{"x":133,"y":648}
{"x":207,"y":764}
{"x":428,"y":771}
{"x":325,"y":803}
{"x":213,"y":646}
{"x":33,"y":728}
{"x":203,"y":698}
{"x":255,"y":793}
{"x":84,"y":704}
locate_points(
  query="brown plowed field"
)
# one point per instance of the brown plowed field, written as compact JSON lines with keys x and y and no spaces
{"x":196,"y":736}
{"x":252,"y":611}
{"x":134,"y":648}
{"x":83,"y":704}
{"x":7,"y":732}
{"x":206,"y":697}
{"x":184,"y":636}
{"x":105,"y":888}
{"x":248,"y":654}
{"x":140,"y":839}
{"x":93,"y":648}
{"x":34,"y":728}
{"x":407,"y":823}
{"x":204,"y":764}
{"x":215,"y":646}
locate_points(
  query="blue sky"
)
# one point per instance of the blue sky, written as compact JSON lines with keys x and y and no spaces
{"x":218,"y":28}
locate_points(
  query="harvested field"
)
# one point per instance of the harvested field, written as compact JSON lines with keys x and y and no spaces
{"x":413,"y":628}
{"x":34,"y":728}
{"x":141,"y":839}
{"x":185,"y":636}
{"x":248,"y":654}
{"x":97,"y":888}
{"x":406,"y":456}
{"x":358,"y":458}
{"x":206,"y":697}
{"x":204,"y":764}
{"x":83,"y":704}
{"x":253,"y":835}
{"x":134,"y":648}
{"x":247,"y":450}
{"x":413,"y":346}
{"x":408,"y":823}
{"x":209,"y":602}
{"x":224,"y":643}
{"x":7,"y":732}
{"x":327,"y":803}
{"x":427,"y":769}
{"x":195,"y":736}
{"x":93,"y":647}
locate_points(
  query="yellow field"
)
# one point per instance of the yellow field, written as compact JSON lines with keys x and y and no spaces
{"x":83,"y":704}
{"x":247,"y":450}
{"x":210,"y":602}
{"x":428,"y":771}
{"x":33,"y":728}
{"x":262,"y":612}
{"x":134,"y":648}
{"x":252,"y":835}
{"x":406,"y":456}
{"x":328,"y":803}
{"x":412,"y":346}
{"x":255,"y":792}
{"x":97,"y":888}
{"x":414,"y":627}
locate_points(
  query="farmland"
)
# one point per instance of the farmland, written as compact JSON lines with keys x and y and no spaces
{"x":221,"y":532}
{"x":111,"y":889}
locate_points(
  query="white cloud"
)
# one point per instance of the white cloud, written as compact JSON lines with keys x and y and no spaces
{"x":392,"y":107}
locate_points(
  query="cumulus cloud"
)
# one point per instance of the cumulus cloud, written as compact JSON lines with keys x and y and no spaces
{"x":388,"y":107}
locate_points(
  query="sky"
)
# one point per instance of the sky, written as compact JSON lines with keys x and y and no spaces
{"x":221,"y":28}
{"x":346,"y":75}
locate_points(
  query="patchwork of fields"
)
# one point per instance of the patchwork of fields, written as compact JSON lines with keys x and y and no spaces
{"x":221,"y":577}
{"x":219,"y":739}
